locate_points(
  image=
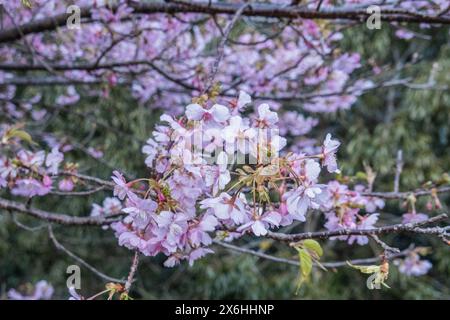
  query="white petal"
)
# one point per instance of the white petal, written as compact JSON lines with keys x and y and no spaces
{"x":224,"y":178}
{"x":243,"y":99}
{"x":312,"y":169}
{"x":259,"y":229}
{"x":194,"y":112}
{"x":222,"y":159}
{"x":263,"y":109}
{"x":222,"y":211}
{"x":220,"y":113}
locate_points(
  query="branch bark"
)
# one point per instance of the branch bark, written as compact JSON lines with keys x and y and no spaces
{"x":55,"y":217}
{"x":396,"y":228}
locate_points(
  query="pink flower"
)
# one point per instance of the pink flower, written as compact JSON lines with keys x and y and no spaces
{"x":413,"y":266}
{"x":71,"y":97}
{"x":266,"y":118}
{"x":404,"y":34}
{"x":198,"y":234}
{"x":140,"y":209}
{"x":226,"y":207}
{"x":95,"y":153}
{"x":372,"y":204}
{"x":173,"y":260}
{"x":30,"y":187}
{"x":243,"y":100}
{"x":174,"y":227}
{"x":217,"y":113}
{"x":218,"y":176}
{"x":197,"y":254}
{"x":414,"y":217}
{"x":366,"y":222}
{"x":349,"y":220}
{"x":7,"y":169}
{"x":53,"y":160}
{"x":132,"y":241}
{"x":66,"y":184}
{"x":299,"y":200}
{"x":42,"y":291}
{"x":121,"y":189}
{"x":31,"y":159}
{"x":260,"y":224}
{"x":3,"y":182}
{"x":74,"y":295}
{"x":238,"y":135}
{"x":329,"y":150}
{"x":296,"y":124}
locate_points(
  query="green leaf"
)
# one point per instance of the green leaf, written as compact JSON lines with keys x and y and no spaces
{"x":379,"y":277}
{"x":21,"y":134}
{"x":314,"y":246}
{"x":365,"y":269}
{"x":305,"y":267}
{"x":27,"y":3}
{"x":305,"y":262}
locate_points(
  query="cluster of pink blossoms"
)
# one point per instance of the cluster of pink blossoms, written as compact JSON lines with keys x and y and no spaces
{"x":412,"y":265}
{"x":345,"y":207}
{"x":28,"y":173}
{"x":213,"y":170}
{"x":28,"y":170}
{"x":293,"y":62}
{"x":41,"y":291}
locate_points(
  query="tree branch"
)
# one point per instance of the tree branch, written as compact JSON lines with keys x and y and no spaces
{"x":221,"y":47}
{"x":56,"y":217}
{"x":59,"y":246}
{"x":133,"y":269}
{"x":404,"y":195}
{"x":256,"y":10}
{"x":396,"y":228}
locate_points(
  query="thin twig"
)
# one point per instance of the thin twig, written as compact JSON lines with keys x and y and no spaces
{"x":59,"y":246}
{"x":396,"y":228}
{"x":57,"y":217}
{"x":78,"y":193}
{"x":133,"y":269}
{"x":221,"y":48}
{"x":404,"y":195}
{"x":388,"y":249}
{"x":398,"y":170}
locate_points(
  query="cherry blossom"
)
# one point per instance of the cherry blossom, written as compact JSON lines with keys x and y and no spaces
{"x":329,"y":150}
{"x":42,"y":291}
{"x":413,"y":265}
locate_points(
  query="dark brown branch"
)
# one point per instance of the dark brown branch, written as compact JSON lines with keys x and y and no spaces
{"x":404,"y":195}
{"x":396,"y":228}
{"x":52,"y":81}
{"x":54,"y":217}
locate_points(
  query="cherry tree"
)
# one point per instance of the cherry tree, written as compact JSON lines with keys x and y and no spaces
{"x":227,"y":161}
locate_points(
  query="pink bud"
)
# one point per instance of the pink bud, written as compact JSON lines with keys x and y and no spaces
{"x":283,"y":208}
{"x":47,"y":181}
